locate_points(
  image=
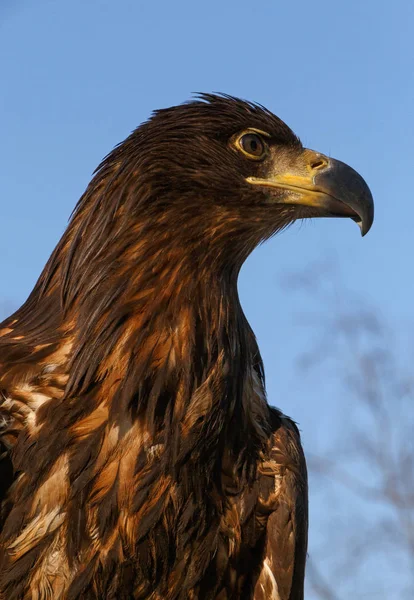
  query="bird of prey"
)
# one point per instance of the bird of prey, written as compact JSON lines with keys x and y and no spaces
{"x":139,"y":456}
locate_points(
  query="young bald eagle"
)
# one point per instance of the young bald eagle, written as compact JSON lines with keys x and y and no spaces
{"x":140,"y":457}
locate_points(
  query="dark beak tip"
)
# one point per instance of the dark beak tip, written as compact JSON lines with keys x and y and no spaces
{"x":367,"y":216}
{"x":345,"y":184}
{"x":365,"y":229}
{"x":364,"y":223}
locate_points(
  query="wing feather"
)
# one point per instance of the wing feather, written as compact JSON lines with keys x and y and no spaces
{"x":284,"y":492}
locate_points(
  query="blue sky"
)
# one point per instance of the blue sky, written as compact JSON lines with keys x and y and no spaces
{"x":77,"y":77}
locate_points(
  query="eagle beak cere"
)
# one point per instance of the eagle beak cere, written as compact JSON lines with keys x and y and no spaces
{"x":330,"y":186}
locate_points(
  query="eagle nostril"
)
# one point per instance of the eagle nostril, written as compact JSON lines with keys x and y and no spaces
{"x":320,"y":163}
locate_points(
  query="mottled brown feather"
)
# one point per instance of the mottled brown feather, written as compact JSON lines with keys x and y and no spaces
{"x":139,"y":457}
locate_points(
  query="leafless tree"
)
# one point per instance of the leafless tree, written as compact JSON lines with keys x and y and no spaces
{"x":364,"y":481}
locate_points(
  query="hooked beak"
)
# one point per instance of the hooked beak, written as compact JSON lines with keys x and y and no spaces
{"x":330,"y":186}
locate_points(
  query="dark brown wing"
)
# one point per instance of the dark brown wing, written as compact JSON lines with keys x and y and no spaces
{"x":284,"y":493}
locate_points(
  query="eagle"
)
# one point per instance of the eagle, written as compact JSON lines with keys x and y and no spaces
{"x":140,"y":458}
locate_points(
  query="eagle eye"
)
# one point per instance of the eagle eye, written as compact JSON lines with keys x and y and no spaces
{"x":252,"y":145}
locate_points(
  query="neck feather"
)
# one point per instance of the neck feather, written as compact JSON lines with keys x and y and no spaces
{"x":157,"y":334}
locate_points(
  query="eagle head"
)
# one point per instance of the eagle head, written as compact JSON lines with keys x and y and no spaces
{"x":216,"y":176}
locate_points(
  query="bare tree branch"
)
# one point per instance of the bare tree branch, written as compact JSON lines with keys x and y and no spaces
{"x":373,"y":457}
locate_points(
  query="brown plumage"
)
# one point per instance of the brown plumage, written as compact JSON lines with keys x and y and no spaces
{"x":140,"y":457}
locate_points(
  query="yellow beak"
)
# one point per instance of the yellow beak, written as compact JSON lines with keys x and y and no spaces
{"x":330,"y":186}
